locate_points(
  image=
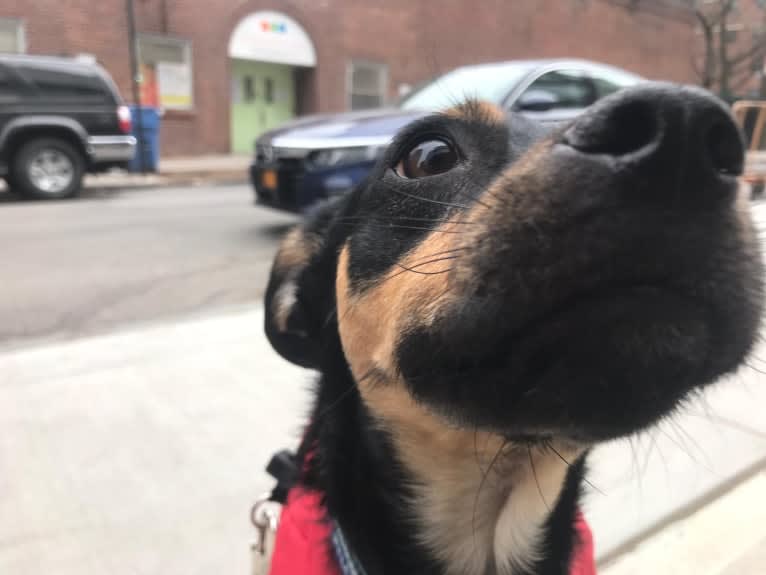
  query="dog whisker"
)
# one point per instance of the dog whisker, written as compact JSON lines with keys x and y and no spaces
{"x":663,"y":459}
{"x":331,"y":316}
{"x":652,"y":446}
{"x":462,"y":192}
{"x":681,"y":445}
{"x":348,"y":391}
{"x":635,"y":466}
{"x":386,"y":226}
{"x":549,"y":445}
{"x":729,"y":423}
{"x":404,"y":269}
{"x":754,"y":368}
{"x":427,"y":200}
{"x":689,"y":437}
{"x":355,"y":219}
{"x":436,"y":273}
{"x":484,"y":477}
{"x":537,"y":482}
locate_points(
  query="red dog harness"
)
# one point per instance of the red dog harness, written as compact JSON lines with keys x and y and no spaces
{"x":304,"y":531}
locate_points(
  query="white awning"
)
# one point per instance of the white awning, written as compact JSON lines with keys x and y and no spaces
{"x":272,"y":37}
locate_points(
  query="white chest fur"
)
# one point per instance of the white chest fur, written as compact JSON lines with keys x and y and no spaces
{"x":479,"y":520}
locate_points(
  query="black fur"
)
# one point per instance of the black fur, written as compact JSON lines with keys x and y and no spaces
{"x":610,"y":278}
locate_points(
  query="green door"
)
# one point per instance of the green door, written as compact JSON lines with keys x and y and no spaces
{"x":262,"y":98}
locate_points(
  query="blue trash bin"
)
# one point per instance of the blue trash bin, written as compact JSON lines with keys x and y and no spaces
{"x":149,"y":139}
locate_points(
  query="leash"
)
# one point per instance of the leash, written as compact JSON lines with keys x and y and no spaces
{"x":347,"y":561}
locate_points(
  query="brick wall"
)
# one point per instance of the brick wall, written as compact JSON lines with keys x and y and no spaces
{"x":417,"y":39}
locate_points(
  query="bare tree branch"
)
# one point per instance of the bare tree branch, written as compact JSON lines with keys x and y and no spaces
{"x":695,"y":66}
{"x":707,"y":73}
{"x":740,"y":83}
{"x":723,"y":63}
{"x":756,"y":48}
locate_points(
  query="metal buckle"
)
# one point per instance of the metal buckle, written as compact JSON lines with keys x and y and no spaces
{"x":264,"y":515}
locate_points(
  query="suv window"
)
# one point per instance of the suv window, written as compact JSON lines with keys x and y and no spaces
{"x":563,"y":89}
{"x":10,"y":91}
{"x":63,"y":85}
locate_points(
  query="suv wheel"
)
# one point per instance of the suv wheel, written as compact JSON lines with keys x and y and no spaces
{"x":48,"y":169}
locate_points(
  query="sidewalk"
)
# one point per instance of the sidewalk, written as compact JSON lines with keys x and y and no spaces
{"x":192,"y":170}
{"x":725,"y":537}
{"x":141,"y":452}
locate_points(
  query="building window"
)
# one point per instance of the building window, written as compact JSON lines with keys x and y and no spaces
{"x":12,"y":37}
{"x":367,"y":85}
{"x":166,"y":72}
{"x":248,"y":89}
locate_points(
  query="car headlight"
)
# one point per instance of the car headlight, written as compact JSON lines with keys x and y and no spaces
{"x":334,"y":157}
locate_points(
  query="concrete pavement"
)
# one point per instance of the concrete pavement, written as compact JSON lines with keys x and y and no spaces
{"x":725,"y":537}
{"x":141,"y":451}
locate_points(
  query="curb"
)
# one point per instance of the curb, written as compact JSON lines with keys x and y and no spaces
{"x":138,"y":182}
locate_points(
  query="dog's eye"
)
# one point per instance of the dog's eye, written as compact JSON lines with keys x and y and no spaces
{"x":427,"y":158}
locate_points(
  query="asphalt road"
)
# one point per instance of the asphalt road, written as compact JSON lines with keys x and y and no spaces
{"x":110,"y":259}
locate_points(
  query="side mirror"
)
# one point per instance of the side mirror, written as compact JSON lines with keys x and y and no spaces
{"x":536,"y":101}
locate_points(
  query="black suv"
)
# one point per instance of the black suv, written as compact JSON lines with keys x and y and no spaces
{"x":59,"y":118}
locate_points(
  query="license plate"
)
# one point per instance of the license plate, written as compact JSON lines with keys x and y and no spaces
{"x":269,"y":179}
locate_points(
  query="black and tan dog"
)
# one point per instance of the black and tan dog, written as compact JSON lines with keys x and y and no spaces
{"x":498,"y":298}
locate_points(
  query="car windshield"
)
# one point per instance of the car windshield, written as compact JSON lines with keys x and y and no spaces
{"x":492,"y":83}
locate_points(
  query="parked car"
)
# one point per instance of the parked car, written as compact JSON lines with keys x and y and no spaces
{"x":315,"y":157}
{"x":59,"y":119}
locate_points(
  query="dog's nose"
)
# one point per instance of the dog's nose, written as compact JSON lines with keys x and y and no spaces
{"x":676,"y":141}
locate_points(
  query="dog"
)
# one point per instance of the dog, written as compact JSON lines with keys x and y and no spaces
{"x":496,"y":299}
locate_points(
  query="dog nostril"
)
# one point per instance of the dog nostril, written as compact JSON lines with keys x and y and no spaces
{"x":618,"y":130}
{"x":724,"y":148}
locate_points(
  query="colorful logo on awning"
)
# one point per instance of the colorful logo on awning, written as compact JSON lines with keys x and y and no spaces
{"x":271,"y":26}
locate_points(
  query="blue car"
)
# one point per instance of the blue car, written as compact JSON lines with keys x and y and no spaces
{"x":316,"y":157}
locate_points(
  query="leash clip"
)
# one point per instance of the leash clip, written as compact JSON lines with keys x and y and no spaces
{"x":264,"y":516}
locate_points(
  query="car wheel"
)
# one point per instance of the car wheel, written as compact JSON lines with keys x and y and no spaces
{"x":48,"y":169}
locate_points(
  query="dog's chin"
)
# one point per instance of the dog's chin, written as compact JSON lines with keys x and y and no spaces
{"x":601,"y":369}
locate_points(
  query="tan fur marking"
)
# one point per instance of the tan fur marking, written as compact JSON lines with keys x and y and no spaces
{"x":295,"y":253}
{"x":284,"y":300}
{"x":370,"y":321}
{"x":477,"y":110}
{"x":296,"y":250}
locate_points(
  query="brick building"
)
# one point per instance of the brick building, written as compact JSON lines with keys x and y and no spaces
{"x":223,"y":70}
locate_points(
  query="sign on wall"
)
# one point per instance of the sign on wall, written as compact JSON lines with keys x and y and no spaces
{"x":174,"y":85}
{"x":272,"y":37}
